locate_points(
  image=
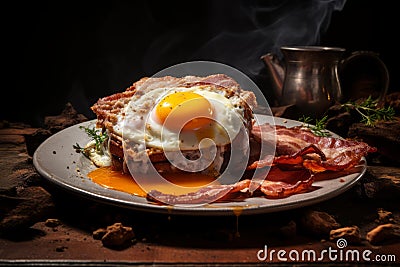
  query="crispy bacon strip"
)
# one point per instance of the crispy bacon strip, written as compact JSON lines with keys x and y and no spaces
{"x":297,"y":148}
{"x":294,"y":159}
{"x":293,"y":144}
{"x":278,"y":184}
{"x":204,"y":195}
{"x":282,"y":189}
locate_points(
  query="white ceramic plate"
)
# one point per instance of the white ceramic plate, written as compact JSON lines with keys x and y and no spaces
{"x":56,"y":160}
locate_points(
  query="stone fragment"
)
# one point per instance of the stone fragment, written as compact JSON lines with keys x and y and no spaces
{"x":384,"y":216}
{"x":115,"y":235}
{"x":318,"y":223}
{"x":382,"y":183}
{"x":383,"y":233}
{"x":35,"y":205}
{"x":99,"y":233}
{"x":68,"y":117}
{"x":384,"y":135}
{"x":350,"y":233}
{"x":52,"y":223}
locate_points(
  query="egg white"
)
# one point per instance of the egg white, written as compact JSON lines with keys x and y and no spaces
{"x":140,"y":126}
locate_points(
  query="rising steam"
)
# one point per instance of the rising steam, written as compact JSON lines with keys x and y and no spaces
{"x":239,"y":32}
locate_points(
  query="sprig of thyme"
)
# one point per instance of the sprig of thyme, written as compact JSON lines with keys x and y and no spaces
{"x":95,"y":134}
{"x":79,"y":149}
{"x":370,"y":112}
{"x":319,"y":127}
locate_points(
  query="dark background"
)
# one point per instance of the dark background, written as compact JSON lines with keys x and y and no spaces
{"x":67,"y":51}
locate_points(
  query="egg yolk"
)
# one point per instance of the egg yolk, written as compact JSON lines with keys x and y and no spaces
{"x":184,"y":111}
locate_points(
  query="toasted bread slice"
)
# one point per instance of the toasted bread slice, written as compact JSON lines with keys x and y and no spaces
{"x":110,"y":108}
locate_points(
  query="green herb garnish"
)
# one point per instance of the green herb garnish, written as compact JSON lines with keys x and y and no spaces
{"x":370,"y":111}
{"x":95,"y":134}
{"x":79,"y":149}
{"x":319,"y":128}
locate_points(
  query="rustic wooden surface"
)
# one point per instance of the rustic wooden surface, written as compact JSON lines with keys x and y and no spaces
{"x":44,"y":225}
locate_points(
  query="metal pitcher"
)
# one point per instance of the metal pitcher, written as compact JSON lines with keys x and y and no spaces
{"x":309,"y":77}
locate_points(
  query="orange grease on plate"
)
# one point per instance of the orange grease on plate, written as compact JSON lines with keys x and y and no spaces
{"x":116,"y":180}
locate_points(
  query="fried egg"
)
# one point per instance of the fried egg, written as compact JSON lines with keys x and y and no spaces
{"x":182,"y":118}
